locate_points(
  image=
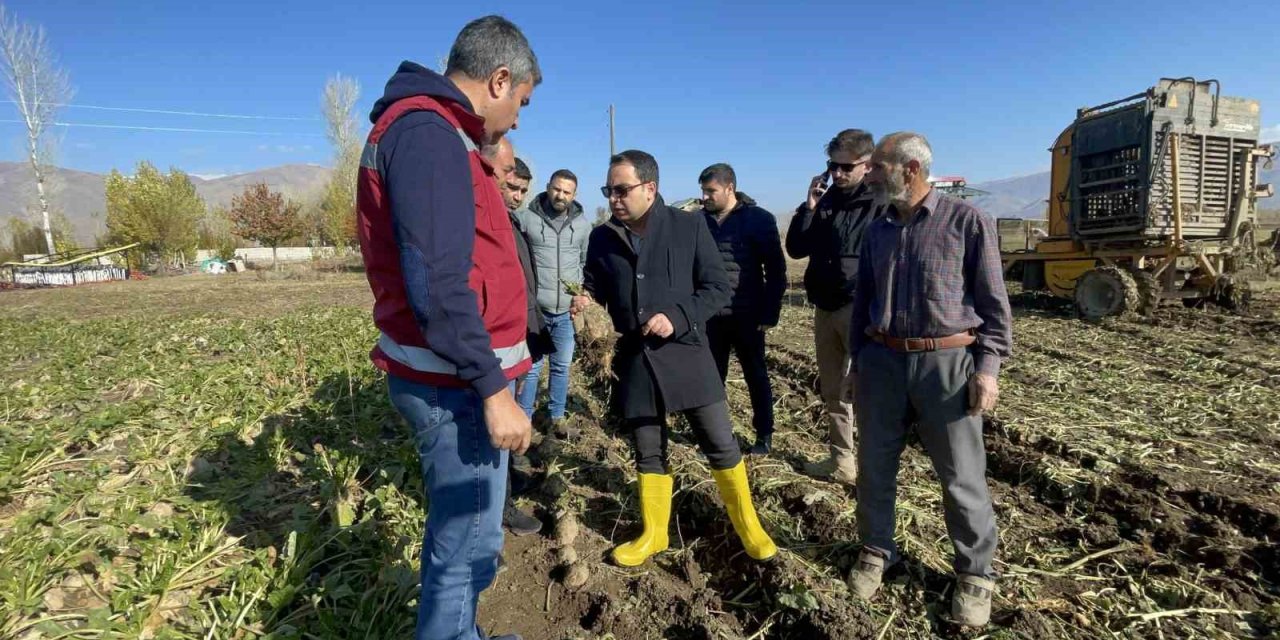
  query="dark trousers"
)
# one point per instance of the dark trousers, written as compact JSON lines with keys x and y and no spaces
{"x":743,"y":336}
{"x":711,"y":427}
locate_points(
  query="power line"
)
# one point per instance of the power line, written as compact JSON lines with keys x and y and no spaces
{"x":94,"y":125}
{"x":200,"y":114}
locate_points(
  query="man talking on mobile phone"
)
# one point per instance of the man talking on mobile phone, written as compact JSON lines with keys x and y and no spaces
{"x":827,"y":229}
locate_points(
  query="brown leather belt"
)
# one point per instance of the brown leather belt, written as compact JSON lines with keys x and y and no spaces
{"x":916,"y":345}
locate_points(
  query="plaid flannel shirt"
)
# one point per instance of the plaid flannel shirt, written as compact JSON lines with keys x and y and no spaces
{"x":937,"y":275}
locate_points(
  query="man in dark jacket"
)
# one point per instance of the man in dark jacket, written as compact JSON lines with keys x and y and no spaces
{"x":449,"y":300}
{"x":827,"y":229}
{"x":505,"y":165}
{"x":514,"y":192}
{"x":658,"y":274}
{"x":747,"y":237}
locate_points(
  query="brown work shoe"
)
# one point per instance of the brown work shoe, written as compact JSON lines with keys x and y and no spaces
{"x":866,"y":575}
{"x":971,"y":601}
{"x":842,"y":470}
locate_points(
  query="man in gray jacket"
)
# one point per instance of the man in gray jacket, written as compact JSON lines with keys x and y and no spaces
{"x":557,"y":233}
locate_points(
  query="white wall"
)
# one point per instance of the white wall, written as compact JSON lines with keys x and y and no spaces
{"x":262,"y":255}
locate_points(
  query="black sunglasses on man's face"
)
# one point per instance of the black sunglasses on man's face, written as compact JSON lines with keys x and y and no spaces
{"x":846,"y":167}
{"x":619,"y":191}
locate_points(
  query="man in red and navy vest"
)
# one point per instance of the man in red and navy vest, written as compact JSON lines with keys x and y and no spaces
{"x":449,"y":299}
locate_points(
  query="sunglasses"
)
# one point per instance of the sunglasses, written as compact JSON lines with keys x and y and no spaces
{"x":846,"y":167}
{"x":619,"y":191}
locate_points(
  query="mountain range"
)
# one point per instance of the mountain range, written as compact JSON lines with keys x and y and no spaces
{"x":81,"y":195}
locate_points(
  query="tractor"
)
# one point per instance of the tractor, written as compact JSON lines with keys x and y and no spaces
{"x":1152,"y":198}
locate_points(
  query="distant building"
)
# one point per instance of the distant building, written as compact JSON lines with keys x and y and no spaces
{"x":955,"y":186}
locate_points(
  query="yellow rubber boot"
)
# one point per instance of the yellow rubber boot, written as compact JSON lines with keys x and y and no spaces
{"x":737,"y":500}
{"x":655,"y":510}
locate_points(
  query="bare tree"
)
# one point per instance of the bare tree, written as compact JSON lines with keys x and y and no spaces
{"x":340,"y":95}
{"x":39,"y":87}
{"x":336,"y":212}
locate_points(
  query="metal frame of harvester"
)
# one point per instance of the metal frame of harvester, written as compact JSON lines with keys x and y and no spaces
{"x":1152,"y":197}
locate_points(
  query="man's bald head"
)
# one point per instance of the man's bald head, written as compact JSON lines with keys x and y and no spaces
{"x":503,"y":158}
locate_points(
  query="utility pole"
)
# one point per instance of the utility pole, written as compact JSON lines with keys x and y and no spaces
{"x":612,"y":149}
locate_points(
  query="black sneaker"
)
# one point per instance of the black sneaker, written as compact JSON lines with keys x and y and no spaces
{"x":762,"y":447}
{"x":520,"y":523}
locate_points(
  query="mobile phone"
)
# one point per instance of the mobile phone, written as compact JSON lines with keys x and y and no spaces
{"x":826,"y":179}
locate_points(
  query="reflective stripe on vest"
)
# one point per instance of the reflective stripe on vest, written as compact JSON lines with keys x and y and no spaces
{"x":369,"y":156}
{"x":427,"y":361}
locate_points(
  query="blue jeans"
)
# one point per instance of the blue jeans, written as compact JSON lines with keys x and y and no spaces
{"x":466,"y":483}
{"x":561,"y":327}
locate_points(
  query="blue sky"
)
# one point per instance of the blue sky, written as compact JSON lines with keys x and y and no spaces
{"x":762,"y":87}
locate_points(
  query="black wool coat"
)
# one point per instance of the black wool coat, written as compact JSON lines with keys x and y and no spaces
{"x":678,"y":272}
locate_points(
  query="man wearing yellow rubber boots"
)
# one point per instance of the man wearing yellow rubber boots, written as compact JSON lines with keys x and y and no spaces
{"x":658,"y":273}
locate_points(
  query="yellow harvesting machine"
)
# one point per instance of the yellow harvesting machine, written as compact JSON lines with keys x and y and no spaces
{"x":1152,"y":197}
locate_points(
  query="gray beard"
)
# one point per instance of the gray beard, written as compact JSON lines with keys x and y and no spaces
{"x":897,"y":195}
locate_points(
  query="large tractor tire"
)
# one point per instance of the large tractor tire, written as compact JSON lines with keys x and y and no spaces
{"x":1148,"y":291}
{"x":1106,"y":291}
{"x":1227,"y":292}
{"x":1233,"y":294}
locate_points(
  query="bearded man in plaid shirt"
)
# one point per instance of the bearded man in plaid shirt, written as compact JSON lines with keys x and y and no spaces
{"x":930,"y":327}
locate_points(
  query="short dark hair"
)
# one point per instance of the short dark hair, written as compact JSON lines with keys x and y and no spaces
{"x":522,"y":171}
{"x":853,"y":141}
{"x":488,"y":43}
{"x":563,"y":173}
{"x":646,"y":167}
{"x":720,"y":172}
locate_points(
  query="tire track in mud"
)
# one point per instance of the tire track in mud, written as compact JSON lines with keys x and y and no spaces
{"x":1245,"y":422}
{"x":1266,"y":330}
{"x":1253,"y":521}
{"x":1191,"y":486}
{"x":1217,"y":531}
{"x":1234,"y":364}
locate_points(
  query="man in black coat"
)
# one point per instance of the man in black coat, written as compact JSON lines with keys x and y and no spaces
{"x":659,"y":275}
{"x":747,"y":237}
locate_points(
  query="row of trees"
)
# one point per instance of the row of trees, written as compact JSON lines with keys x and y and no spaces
{"x":162,"y":211}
